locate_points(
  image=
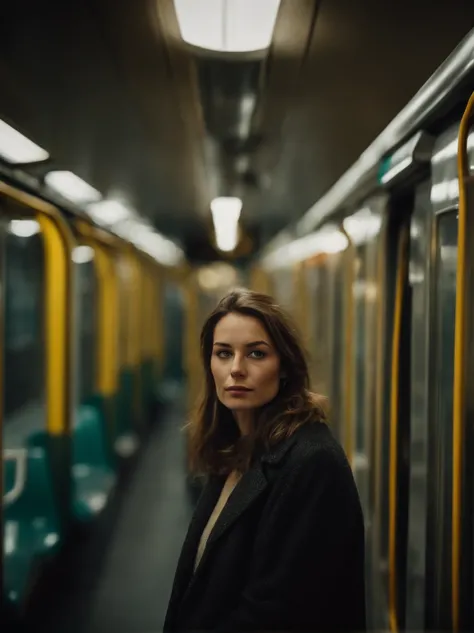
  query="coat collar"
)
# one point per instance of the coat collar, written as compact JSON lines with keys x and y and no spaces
{"x":278,"y":452}
{"x":252,"y":484}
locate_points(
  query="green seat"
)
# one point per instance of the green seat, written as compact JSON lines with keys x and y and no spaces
{"x":93,"y":476}
{"x":31,"y":520}
{"x":16,"y":572}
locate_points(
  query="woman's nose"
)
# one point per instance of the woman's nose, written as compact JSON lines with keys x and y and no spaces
{"x":238,"y":368}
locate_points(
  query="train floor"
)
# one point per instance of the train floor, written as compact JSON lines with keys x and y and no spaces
{"x":118,"y":577}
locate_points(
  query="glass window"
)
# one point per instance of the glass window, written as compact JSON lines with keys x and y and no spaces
{"x":24,"y":344}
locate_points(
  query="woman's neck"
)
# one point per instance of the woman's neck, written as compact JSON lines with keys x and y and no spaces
{"x":244,"y":421}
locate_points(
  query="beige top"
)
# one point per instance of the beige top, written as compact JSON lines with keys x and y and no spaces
{"x":231,"y":482}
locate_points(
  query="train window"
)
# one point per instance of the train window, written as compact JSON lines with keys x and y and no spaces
{"x":24,"y":344}
{"x":87,"y":290}
{"x":442,"y":407}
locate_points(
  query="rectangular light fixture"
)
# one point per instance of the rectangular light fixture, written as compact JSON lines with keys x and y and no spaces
{"x":362,"y":226}
{"x":231,"y":26}
{"x":329,"y":239}
{"x":71,"y":187}
{"x":146,"y":239}
{"x":108,"y":212}
{"x":225,"y":215}
{"x":17,"y":149}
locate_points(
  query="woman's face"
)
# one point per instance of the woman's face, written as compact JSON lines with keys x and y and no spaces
{"x":245,"y":364}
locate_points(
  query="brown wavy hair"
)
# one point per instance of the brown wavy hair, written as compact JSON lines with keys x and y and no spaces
{"x":215,"y":444}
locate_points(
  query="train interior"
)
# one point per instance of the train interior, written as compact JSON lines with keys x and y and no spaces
{"x":154,"y":155}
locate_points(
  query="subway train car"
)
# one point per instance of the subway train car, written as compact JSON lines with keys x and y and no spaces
{"x":379,"y":274}
{"x":82,"y":315}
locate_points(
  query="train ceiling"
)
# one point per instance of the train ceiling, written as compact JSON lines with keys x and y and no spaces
{"x":113,"y":93}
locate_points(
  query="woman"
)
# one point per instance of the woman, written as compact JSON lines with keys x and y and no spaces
{"x":277,"y":538}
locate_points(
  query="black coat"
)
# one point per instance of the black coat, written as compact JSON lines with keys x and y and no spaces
{"x":287,"y":551}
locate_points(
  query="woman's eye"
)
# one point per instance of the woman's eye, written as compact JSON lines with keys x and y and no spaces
{"x":223,"y":354}
{"x":258,"y":354}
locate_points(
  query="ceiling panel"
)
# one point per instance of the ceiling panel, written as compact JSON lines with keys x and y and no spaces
{"x":108,"y":87}
{"x":365,"y":61}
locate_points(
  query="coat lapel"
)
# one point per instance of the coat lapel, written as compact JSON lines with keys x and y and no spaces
{"x":250,"y":487}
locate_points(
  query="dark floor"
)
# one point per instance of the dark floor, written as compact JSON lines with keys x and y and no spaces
{"x":118,"y":578}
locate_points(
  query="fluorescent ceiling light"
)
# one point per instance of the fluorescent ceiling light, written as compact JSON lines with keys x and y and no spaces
{"x":17,"y":149}
{"x":232,"y":26}
{"x":82,"y":254}
{"x":363,"y":226}
{"x":161,"y":249}
{"x":146,"y":239}
{"x":24,"y":228}
{"x":329,"y":239}
{"x":108,"y":212}
{"x":72,"y":187}
{"x":225,"y":215}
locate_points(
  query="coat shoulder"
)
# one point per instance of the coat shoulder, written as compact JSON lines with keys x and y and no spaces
{"x":315,"y":441}
{"x":315,"y":455}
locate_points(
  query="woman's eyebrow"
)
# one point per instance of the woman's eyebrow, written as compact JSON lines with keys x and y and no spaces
{"x":252,"y":344}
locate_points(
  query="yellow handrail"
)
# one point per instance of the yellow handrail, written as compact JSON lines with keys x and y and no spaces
{"x":394,"y":409}
{"x":459,"y":363}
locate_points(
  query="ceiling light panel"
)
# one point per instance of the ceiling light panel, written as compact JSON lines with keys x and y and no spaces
{"x":230,"y":26}
{"x":18,"y":149}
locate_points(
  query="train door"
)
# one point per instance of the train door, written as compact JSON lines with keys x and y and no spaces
{"x":420,"y":231}
{"x":364,"y":231}
{"x":448,"y":573}
{"x":396,"y":408}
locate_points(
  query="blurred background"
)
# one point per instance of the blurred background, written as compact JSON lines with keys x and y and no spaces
{"x":155,"y":154}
